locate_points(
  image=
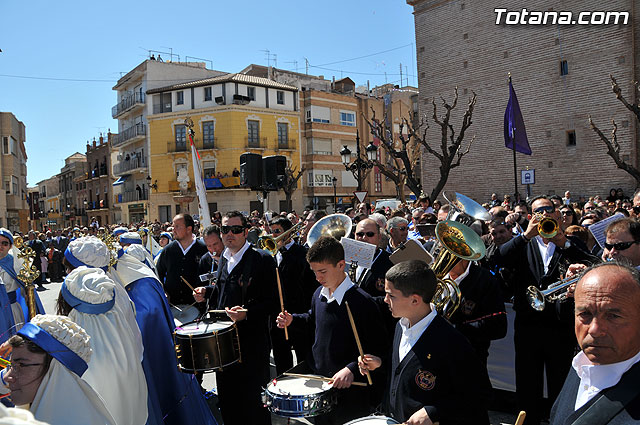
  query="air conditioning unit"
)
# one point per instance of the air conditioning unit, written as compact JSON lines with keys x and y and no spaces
{"x":219,"y":100}
{"x":239,"y":99}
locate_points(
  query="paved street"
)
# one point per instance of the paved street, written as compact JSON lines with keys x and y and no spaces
{"x":50,"y":295}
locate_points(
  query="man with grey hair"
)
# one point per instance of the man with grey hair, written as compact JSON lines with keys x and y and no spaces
{"x":398,"y":230}
{"x":603,"y":386}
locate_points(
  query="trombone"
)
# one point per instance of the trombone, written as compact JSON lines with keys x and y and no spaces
{"x":269,"y":243}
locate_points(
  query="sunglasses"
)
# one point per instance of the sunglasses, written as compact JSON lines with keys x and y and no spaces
{"x":620,"y":246}
{"x":567,"y":212}
{"x":546,"y":209}
{"x":368,"y":234}
{"x":236,"y":230}
{"x":5,"y":243}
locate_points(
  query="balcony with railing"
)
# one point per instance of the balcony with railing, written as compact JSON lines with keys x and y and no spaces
{"x":255,"y":142}
{"x":184,"y":146}
{"x":129,"y":164}
{"x":285,"y":144}
{"x":131,"y":134}
{"x":131,"y":196}
{"x":127,"y":104}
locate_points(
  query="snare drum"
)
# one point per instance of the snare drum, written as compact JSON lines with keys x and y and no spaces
{"x":206,"y":346}
{"x":184,"y":313}
{"x":373,"y":420}
{"x":299,"y":397}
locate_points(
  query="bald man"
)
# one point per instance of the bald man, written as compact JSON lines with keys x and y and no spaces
{"x":602,"y":387}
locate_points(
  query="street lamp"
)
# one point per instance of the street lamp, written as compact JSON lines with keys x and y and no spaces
{"x":334,"y":181}
{"x":359,"y":164}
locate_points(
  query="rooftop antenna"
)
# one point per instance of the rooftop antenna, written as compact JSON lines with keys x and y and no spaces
{"x":170,"y":53}
{"x":186,"y":59}
{"x":400,"y":74}
{"x":306,"y":66}
{"x":270,"y":56}
{"x":295,"y":65}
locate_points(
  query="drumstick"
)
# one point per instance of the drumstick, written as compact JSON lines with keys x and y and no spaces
{"x":521,"y":417}
{"x":320,"y":378}
{"x":240,"y":310}
{"x":355,"y":333}
{"x":286,"y":333}
{"x":188,"y":284}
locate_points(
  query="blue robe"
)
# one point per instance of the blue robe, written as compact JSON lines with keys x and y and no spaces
{"x":177,"y":395}
{"x":7,"y":264}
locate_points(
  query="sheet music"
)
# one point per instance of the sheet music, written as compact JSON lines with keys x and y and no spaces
{"x":597,"y":229}
{"x":358,"y":251}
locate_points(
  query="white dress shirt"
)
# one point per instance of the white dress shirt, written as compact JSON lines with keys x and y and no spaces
{"x":411,"y":334}
{"x":546,"y":252}
{"x":279,"y":254}
{"x":184,"y":251}
{"x":233,"y":260}
{"x":338,"y":294}
{"x":460,"y":278}
{"x":595,"y":378}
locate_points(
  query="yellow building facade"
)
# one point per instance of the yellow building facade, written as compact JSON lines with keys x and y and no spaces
{"x":231,"y":114}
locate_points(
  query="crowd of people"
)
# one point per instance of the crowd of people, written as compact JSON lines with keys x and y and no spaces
{"x":374,"y":332}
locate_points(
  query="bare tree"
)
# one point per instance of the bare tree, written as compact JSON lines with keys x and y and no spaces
{"x":401,"y":169}
{"x":613,"y":147}
{"x":290,"y":183}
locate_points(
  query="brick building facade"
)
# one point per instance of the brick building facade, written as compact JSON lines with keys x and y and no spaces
{"x":458,"y":43}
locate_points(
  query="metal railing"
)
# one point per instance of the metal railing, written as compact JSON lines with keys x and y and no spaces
{"x":131,"y":196}
{"x":137,"y":130}
{"x":255,"y":142}
{"x":286,"y":144}
{"x":133,"y":163}
{"x":127,"y":103}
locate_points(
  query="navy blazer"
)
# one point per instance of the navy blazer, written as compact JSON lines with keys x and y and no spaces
{"x":563,"y":412}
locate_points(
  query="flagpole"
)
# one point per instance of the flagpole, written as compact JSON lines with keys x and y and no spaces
{"x":515,"y":167}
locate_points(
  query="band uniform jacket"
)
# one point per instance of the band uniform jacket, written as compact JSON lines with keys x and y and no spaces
{"x":442,"y":374}
{"x":297,"y":279}
{"x":372,"y":280}
{"x":173,"y":265}
{"x":526,"y":259}
{"x":563,"y":412}
{"x":481,"y":316}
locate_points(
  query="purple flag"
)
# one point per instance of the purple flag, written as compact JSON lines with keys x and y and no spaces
{"x":514,"y":130}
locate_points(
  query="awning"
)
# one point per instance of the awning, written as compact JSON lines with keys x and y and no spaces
{"x":121,"y":180}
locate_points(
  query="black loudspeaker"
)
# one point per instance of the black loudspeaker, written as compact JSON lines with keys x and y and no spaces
{"x":251,"y":170}
{"x":273,"y":169}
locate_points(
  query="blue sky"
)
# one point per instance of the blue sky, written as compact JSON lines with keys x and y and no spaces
{"x":60,"y":60}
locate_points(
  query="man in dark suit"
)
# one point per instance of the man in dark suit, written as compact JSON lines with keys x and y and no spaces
{"x":246,"y":289}
{"x":544,"y":340}
{"x":481,"y":316}
{"x":434,"y":374}
{"x":298,"y":285}
{"x":603,"y":386}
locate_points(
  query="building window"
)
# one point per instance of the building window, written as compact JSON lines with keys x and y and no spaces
{"x":209,"y":169}
{"x":180,"y":98}
{"x":319,"y":146}
{"x":283,"y":135}
{"x":253,"y":134}
{"x":564,"y":68}
{"x":348,"y":118}
{"x":571,"y":138}
{"x":319,"y":114}
{"x":378,"y":181}
{"x":5,"y":145}
{"x":208,"y":135}
{"x":181,"y":137}
{"x":207,"y":94}
{"x":164,"y":213}
{"x":251,"y":93}
{"x":15,"y":188}
{"x":280,"y":97}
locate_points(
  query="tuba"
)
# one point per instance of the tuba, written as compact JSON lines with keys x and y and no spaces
{"x":464,"y":209}
{"x":269,"y":243}
{"x":336,"y":225}
{"x":457,"y":242}
{"x":27,"y":275}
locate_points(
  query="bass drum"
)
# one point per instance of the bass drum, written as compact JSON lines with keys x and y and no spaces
{"x":295,"y":397}
{"x":206,"y":346}
{"x":373,"y":420}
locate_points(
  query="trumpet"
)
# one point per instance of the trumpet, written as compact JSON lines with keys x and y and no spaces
{"x":269,"y":243}
{"x":547,"y":227}
{"x":555,"y":292}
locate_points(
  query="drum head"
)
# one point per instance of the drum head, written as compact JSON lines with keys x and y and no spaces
{"x":203,"y":327}
{"x":373,"y":420}
{"x":290,"y":385}
{"x":184,"y":313}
